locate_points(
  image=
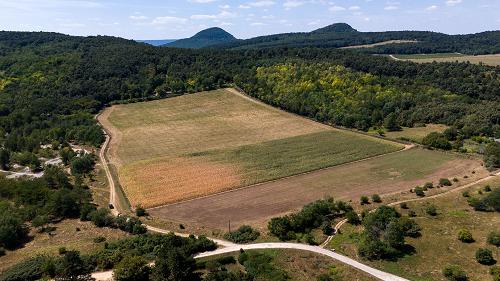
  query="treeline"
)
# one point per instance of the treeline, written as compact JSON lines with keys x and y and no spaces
{"x":334,"y":94}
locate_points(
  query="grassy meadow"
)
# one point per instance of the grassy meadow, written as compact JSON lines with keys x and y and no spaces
{"x":199,"y":144}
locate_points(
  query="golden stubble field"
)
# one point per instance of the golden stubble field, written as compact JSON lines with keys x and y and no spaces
{"x":200,"y":144}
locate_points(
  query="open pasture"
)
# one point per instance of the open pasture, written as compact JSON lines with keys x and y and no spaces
{"x":194,"y":145}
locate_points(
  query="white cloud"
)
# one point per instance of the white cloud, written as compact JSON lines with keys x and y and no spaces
{"x":336,"y":8}
{"x":224,"y":6}
{"x":354,"y":8}
{"x":202,"y":1}
{"x":168,"y":20}
{"x":257,"y":4}
{"x":432,"y":8}
{"x":138,"y":17}
{"x":293,"y":4}
{"x":453,"y":2}
{"x":391,"y":8}
{"x":257,"y":24}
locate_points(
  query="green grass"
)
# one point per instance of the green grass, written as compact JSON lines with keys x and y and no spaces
{"x":289,"y":156}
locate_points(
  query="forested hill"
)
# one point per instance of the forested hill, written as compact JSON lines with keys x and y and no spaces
{"x":342,"y":35}
{"x":203,"y":39}
{"x":51,"y":85}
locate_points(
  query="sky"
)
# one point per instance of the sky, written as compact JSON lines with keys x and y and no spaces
{"x":168,"y":19}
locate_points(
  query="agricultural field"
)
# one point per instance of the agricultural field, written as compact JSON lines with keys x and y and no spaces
{"x":493,"y":60}
{"x":190,"y":146}
{"x":438,"y":246}
{"x":415,"y":134}
{"x":387,"y":174}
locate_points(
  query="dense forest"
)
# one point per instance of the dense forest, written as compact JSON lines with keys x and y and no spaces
{"x":342,"y":35}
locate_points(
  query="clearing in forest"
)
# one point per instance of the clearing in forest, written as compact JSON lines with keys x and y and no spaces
{"x":493,"y":60}
{"x":199,"y":144}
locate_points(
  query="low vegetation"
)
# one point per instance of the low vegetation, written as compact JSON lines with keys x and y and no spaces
{"x":244,"y":234}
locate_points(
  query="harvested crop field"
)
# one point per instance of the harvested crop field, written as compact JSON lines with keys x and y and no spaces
{"x":493,"y":60}
{"x":194,"y":145}
{"x":392,"y":173}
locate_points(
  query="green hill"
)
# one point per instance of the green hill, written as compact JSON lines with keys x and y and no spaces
{"x":203,"y":39}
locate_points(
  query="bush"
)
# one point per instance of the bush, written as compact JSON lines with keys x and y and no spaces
{"x":244,"y":234}
{"x":140,"y":211}
{"x":99,"y":239}
{"x":419,"y":191}
{"x":101,"y":217}
{"x":132,"y":268}
{"x":465,"y":236}
{"x":403,"y":205}
{"x":2,"y":251}
{"x":466,"y":194}
{"x":444,"y":182}
{"x":310,"y":239}
{"x":494,"y":238}
{"x":62,"y":250}
{"x":487,"y":188}
{"x":364,"y":200}
{"x":495,"y":273}
{"x":431,"y":210}
{"x":485,"y":256}
{"x":352,"y":218}
{"x":436,"y":140}
{"x":429,"y":185}
{"x":454,"y":273}
{"x":326,"y":227}
{"x":412,"y":213}
{"x":376,"y":198}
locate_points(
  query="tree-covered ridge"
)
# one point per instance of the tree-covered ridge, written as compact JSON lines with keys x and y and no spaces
{"x":427,"y":42}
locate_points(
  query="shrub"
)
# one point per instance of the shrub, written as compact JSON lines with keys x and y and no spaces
{"x":2,"y":251}
{"x":412,"y":213}
{"x":101,"y":217}
{"x":484,"y":256}
{"x":431,"y":210}
{"x":376,"y":198}
{"x":243,"y":234}
{"x":428,"y":185}
{"x":131,"y":268}
{"x":465,"y":236}
{"x":444,"y":182}
{"x":99,"y":239}
{"x":454,"y":273}
{"x":352,"y":218}
{"x":436,"y":140}
{"x":494,"y":238}
{"x":487,"y":188}
{"x":419,"y":191}
{"x":310,"y":239}
{"x":466,"y":194}
{"x":364,"y":200}
{"x":326,"y":227}
{"x":140,"y":211}
{"x":495,"y":273}
{"x":62,"y":250}
{"x":403,"y":205}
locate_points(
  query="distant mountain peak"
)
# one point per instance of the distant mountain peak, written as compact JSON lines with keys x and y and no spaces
{"x":336,"y":27}
{"x":213,"y":33}
{"x":205,"y":38}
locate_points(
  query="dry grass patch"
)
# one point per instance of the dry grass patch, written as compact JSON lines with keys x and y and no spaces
{"x":416,"y":134}
{"x":493,"y":60}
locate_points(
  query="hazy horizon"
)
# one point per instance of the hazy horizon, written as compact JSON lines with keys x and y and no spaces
{"x":159,"y":20}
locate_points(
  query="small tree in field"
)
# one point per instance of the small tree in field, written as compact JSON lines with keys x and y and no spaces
{"x":131,"y":268}
{"x":352,"y":218}
{"x":419,"y":191}
{"x":465,"y":236}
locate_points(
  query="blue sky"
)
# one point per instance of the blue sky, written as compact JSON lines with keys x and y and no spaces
{"x":155,"y":19}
